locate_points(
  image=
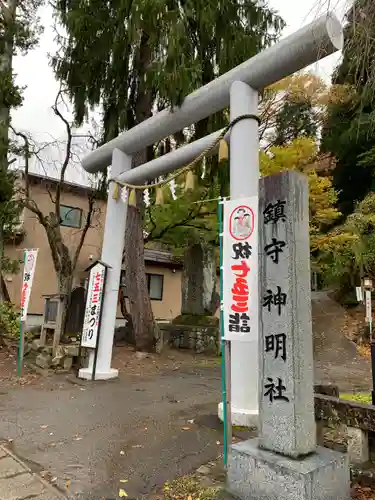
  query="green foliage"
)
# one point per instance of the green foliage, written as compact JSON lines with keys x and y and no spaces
{"x":19,"y":30}
{"x":295,"y":119}
{"x":9,"y":320}
{"x":361,"y":397}
{"x":350,"y":137}
{"x":301,"y":155}
{"x":185,"y":44}
{"x":195,"y":320}
{"x":348,"y":252}
{"x":349,"y":132}
{"x":183,"y":221}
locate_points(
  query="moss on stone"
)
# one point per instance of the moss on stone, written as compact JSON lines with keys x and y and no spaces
{"x":195,"y":320}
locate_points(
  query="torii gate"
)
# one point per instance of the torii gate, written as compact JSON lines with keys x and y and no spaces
{"x":238,"y":88}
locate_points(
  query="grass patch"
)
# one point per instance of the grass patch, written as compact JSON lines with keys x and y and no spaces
{"x":188,"y":488}
{"x":207,"y":362}
{"x":239,"y":428}
{"x":359,"y":397}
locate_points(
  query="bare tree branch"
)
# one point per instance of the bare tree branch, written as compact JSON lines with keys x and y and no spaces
{"x":67,"y":157}
{"x":91,"y":200}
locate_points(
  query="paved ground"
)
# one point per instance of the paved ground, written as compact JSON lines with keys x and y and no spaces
{"x":90,"y":437}
{"x":17,"y":482}
{"x":151,"y":425}
{"x":337,"y":360}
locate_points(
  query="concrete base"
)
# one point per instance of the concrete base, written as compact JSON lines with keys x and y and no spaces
{"x":256,"y":474}
{"x":86,"y":373}
{"x":243,"y":418}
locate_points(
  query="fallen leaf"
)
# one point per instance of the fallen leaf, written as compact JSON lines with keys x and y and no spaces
{"x":189,"y":497}
{"x":137,"y":446}
{"x":217,"y":442}
{"x":51,"y":433}
{"x":122,"y":452}
{"x":67,"y":483}
{"x":191,"y":421}
{"x":43,"y":426}
{"x":77,"y":438}
{"x":122,"y":493}
{"x":54,"y":480}
{"x":185,"y":428}
{"x":124,"y":481}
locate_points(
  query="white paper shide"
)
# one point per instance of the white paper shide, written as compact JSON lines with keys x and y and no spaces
{"x":30,"y":257}
{"x":94,"y":301}
{"x":240,"y":269}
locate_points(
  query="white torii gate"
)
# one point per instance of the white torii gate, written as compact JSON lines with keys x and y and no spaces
{"x":238,"y":88}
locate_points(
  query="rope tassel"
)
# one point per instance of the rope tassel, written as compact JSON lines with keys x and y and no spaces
{"x":189,"y":181}
{"x":223,"y":150}
{"x":159,"y":197}
{"x":132,"y":198}
{"x":116,"y":191}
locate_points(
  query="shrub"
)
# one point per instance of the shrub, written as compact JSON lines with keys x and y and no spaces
{"x":9,"y":320}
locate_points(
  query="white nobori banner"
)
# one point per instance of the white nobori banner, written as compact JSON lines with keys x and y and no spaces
{"x":94,"y":303}
{"x":30,"y":256}
{"x":240,"y":269}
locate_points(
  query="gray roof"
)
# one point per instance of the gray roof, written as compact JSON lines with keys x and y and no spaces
{"x":161,"y":257}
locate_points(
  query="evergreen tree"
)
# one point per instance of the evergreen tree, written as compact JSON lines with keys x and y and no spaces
{"x":134,"y":55}
{"x":349,"y":131}
{"x":19,"y":31}
{"x":295,"y":119}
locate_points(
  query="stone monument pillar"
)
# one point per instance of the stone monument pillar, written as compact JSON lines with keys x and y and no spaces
{"x":284,"y":461}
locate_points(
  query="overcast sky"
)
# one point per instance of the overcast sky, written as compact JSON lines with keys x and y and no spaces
{"x":33,"y":71}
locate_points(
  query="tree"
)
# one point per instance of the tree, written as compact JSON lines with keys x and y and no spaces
{"x":348,"y":252}
{"x":301,"y":155}
{"x":188,"y":219}
{"x":65,"y":254}
{"x":19,"y":32}
{"x":292,"y":108}
{"x":133,"y":56}
{"x":349,"y":131}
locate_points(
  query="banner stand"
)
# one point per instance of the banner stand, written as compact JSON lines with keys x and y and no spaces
{"x":99,"y":331}
{"x":94,"y":309}
{"x":29,"y":264}
{"x":21,"y":345}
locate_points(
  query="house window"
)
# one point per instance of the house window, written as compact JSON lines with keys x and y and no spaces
{"x":155,"y":284}
{"x":70,"y":216}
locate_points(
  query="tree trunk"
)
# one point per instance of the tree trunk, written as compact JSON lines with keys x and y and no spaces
{"x":6,"y":61}
{"x":2,"y":245}
{"x":140,"y":305}
{"x":145,"y":328}
{"x":65,"y":291}
{"x":199,"y":296}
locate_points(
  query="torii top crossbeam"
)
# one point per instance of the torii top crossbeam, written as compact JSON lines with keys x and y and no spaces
{"x":311,"y":43}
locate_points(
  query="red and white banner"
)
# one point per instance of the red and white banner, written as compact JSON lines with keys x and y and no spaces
{"x":29,"y":260}
{"x":240,"y":269}
{"x":94,"y":303}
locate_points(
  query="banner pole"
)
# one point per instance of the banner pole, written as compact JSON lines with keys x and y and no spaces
{"x":21,"y":339}
{"x":223,"y":342}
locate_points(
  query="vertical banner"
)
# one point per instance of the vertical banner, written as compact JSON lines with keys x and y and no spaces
{"x":94,"y":302}
{"x":30,"y":257}
{"x":240,"y":269}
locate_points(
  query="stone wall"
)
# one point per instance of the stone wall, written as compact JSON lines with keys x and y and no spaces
{"x":347,"y":424}
{"x":200,"y":339}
